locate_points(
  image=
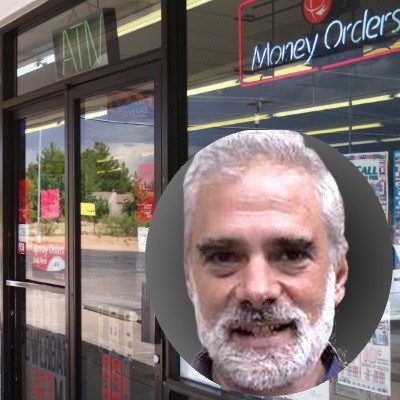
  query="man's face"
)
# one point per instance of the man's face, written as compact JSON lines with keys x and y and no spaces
{"x":260,"y":277}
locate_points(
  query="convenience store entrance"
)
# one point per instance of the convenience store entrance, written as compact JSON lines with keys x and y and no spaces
{"x":85,"y":189}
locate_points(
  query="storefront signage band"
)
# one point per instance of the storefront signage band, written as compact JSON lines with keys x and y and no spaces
{"x":337,"y":37}
{"x":337,"y":34}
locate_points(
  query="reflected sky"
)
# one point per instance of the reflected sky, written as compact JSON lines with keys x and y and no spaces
{"x":116,"y":135}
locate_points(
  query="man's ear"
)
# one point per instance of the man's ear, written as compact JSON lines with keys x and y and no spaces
{"x":341,"y":273}
{"x":189,"y":282}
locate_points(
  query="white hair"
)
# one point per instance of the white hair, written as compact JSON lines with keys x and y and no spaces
{"x":228,"y":157}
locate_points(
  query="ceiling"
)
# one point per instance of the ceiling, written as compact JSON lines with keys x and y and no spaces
{"x":213,"y":57}
{"x":213,"y":47}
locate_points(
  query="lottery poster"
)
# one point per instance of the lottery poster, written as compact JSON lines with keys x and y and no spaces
{"x":371,"y":369}
{"x":374,"y":167}
{"x":396,"y":208}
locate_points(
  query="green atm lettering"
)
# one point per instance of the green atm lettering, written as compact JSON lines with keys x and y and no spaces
{"x":67,"y":43}
{"x":90,"y":42}
{"x":76,"y":40}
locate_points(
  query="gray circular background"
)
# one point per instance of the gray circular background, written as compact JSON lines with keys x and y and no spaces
{"x":370,"y":261}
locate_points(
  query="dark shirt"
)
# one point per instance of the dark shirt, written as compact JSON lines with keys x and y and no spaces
{"x":330,"y":360}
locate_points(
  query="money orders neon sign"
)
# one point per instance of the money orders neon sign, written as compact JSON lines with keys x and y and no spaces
{"x":338,"y":36}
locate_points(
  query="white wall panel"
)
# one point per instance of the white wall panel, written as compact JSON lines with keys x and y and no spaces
{"x":12,"y":9}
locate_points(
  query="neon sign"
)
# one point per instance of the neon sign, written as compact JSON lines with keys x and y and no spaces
{"x":86,"y":44}
{"x":368,"y":28}
{"x":338,"y":36}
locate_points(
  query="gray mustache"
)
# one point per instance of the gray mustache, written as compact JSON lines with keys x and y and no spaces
{"x":271,"y":314}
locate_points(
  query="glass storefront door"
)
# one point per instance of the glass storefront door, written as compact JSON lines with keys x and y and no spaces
{"x":39,"y":358}
{"x":117,"y":130}
{"x":84,"y":327}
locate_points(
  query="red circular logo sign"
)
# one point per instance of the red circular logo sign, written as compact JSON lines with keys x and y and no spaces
{"x":315,"y":11}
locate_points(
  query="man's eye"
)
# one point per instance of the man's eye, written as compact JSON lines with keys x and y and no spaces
{"x":223,"y":257}
{"x":294,"y":255}
{"x":223,"y":263}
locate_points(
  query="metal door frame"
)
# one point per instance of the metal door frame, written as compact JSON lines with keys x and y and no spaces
{"x":14,"y":278}
{"x":147,"y":72}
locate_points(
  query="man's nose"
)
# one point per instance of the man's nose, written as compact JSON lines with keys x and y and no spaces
{"x":259,"y":283}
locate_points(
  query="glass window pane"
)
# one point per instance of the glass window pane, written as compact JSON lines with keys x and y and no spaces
{"x":86,"y":37}
{"x":351,"y":106}
{"x":117,"y":200}
{"x":43,"y":346}
{"x":41,"y":211}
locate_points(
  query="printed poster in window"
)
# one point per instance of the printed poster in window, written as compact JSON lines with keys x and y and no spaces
{"x":396,"y":209}
{"x":24,"y":204}
{"x":137,"y":108}
{"x":145,"y":192}
{"x":48,"y":260}
{"x":374,"y":167}
{"x":371,"y":369}
{"x":50,"y":203}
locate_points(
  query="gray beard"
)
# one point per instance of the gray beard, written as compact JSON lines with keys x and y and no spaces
{"x":261,"y":371}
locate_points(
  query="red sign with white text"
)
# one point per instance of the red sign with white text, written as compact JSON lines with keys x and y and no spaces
{"x":315,"y":11}
{"x":145,"y":209}
{"x":48,"y":256}
{"x":145,"y":192}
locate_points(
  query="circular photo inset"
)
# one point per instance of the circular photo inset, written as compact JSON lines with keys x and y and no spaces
{"x":269,"y":262}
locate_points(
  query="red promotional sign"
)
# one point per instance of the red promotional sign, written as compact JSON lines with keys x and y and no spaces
{"x":145,"y":192}
{"x":115,"y":375}
{"x":146,"y":172}
{"x":45,"y":378}
{"x":24,"y":214}
{"x":21,"y":247}
{"x":48,"y":256}
{"x":50,"y":203}
{"x":145,"y":209}
{"x":315,"y":11}
{"x":41,"y":383}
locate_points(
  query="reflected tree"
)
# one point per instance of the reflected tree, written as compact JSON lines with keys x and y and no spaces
{"x":101,"y":172}
{"x":52,"y":170}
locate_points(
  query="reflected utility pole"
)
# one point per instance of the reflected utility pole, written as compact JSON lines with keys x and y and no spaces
{"x":38,"y":233}
{"x":259,"y":105}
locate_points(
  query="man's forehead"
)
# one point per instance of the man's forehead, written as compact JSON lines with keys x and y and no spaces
{"x":264,"y":169}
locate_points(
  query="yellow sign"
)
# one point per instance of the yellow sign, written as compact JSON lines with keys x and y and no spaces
{"x":88,"y":209}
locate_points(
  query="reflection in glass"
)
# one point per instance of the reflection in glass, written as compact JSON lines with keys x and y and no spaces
{"x":117,"y":201}
{"x":81,"y":39}
{"x":352,"y":107}
{"x":43,"y":346}
{"x":41,"y":209}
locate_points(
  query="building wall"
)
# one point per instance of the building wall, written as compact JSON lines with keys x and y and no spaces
{"x":13,"y":9}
